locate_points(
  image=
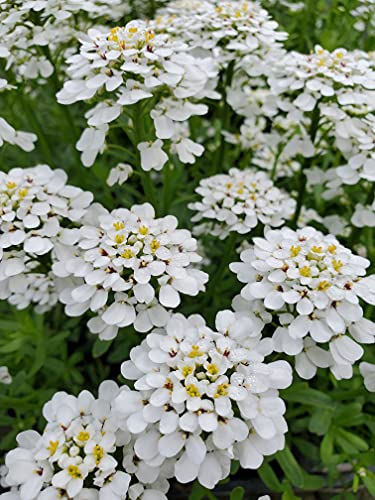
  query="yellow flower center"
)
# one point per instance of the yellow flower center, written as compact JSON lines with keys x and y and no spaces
{"x":113,"y":37}
{"x":143,"y":230}
{"x":228,"y":185}
{"x":222,"y":390}
{"x":187,"y":370}
{"x":332,"y":248}
{"x":98,"y":454}
{"x":118,"y":225}
{"x":294,"y":251}
{"x":193,"y":391}
{"x":53,"y":445}
{"x":119,"y":238}
{"x":133,"y":29}
{"x":11,"y":185}
{"x":127,"y":254}
{"x":195,"y":352}
{"x":323,"y":286}
{"x":305,"y":271}
{"x":155,"y":244}
{"x":83,"y":436}
{"x":337,"y":265}
{"x":213,"y":369}
{"x":74,"y":472}
{"x":316,"y":249}
{"x":22,"y":193}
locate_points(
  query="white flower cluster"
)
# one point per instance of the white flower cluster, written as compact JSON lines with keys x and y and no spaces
{"x":312,"y":285}
{"x":365,"y":13}
{"x":238,"y":202}
{"x":24,"y":140}
{"x":227,"y":30}
{"x":131,"y":64}
{"x":38,"y":211}
{"x":74,"y":456}
{"x":34,"y":32}
{"x":339,"y":86}
{"x":205,"y":397}
{"x":130,"y":267}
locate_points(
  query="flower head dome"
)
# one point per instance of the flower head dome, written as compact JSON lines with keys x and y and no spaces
{"x":129,"y":268}
{"x":239,"y":201}
{"x":74,"y":457}
{"x":312,"y":284}
{"x":38,"y":212}
{"x":205,"y":397}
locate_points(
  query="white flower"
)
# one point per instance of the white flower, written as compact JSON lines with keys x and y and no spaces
{"x":74,"y":456}
{"x":152,"y":155}
{"x":5,"y":377}
{"x":239,"y":201}
{"x":119,"y":174}
{"x":189,"y":380}
{"x":129,"y":267}
{"x":38,"y":214}
{"x":368,"y":373}
{"x":134,"y":63}
{"x":312,"y":284}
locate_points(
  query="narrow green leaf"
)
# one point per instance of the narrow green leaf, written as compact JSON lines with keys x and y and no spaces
{"x":326,"y":448}
{"x":100,"y":347}
{"x":320,"y":421}
{"x":290,"y":467}
{"x":237,"y":493}
{"x":269,"y":478}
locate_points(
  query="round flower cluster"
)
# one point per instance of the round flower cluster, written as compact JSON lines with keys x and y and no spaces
{"x":227,"y":30}
{"x":37,"y":209}
{"x":130,"y":265}
{"x":347,"y":77}
{"x":130,"y":64}
{"x":33,"y":32}
{"x":239,"y":201}
{"x":205,"y":397}
{"x":74,"y":456}
{"x":312,"y":284}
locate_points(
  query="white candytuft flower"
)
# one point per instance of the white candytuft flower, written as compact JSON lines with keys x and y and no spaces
{"x":74,"y":456}
{"x":5,"y":377}
{"x":130,"y":267}
{"x":312,"y":284}
{"x":368,"y":373}
{"x":35,"y":33}
{"x":228,"y":30}
{"x":133,"y":64}
{"x":238,"y":202}
{"x":38,"y":212}
{"x":205,"y":397}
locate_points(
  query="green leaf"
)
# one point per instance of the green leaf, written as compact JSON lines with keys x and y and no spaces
{"x":349,"y":442}
{"x":311,"y":482}
{"x":369,"y":482}
{"x":100,"y":347}
{"x":269,"y":478}
{"x":237,"y":493}
{"x":326,"y":448}
{"x":290,"y":467}
{"x":320,"y":422}
{"x":302,"y":393}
